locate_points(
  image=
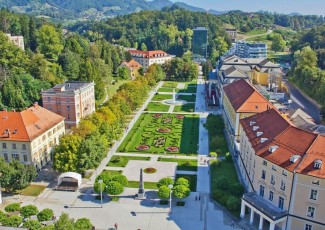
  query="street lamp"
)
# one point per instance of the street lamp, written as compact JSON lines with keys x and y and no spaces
{"x":101,"y":197}
{"x":170,"y":197}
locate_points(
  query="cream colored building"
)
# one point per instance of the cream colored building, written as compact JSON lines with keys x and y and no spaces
{"x":147,"y":58}
{"x":17,"y":40}
{"x":29,"y":136}
{"x":282,"y":170}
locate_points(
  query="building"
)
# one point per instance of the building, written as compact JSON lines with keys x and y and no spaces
{"x":133,"y":66}
{"x":232,"y":33}
{"x":240,"y":100}
{"x":200,"y":42}
{"x":251,"y":49}
{"x":17,"y":40}
{"x":147,"y":58}
{"x":29,"y":136}
{"x":72,"y":100}
{"x":283,"y":172}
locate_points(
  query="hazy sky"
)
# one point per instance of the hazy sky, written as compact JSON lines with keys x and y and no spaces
{"x":281,"y":6}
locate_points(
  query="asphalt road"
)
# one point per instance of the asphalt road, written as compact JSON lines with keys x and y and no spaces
{"x":303,"y":102}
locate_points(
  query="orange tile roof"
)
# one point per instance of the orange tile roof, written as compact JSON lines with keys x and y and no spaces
{"x":148,"y":54}
{"x":133,"y":64}
{"x":245,"y":98}
{"x":28,"y":124}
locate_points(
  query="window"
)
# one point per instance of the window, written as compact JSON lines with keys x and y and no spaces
{"x":316,"y":182}
{"x":67,"y":100}
{"x":313,"y":194}
{"x":263,"y":174}
{"x":271,"y":196}
{"x":265,"y":162}
{"x":272,"y":180}
{"x":68,"y":108}
{"x":23,"y":146}
{"x":273,"y":167}
{"x":25,"y":157}
{"x":308,"y":227}
{"x":311,"y":211}
{"x":68,"y":116}
{"x":14,"y":146}
{"x":284,"y":173}
{"x":15,"y":156}
{"x":262,"y":190}
{"x":281,"y":202}
{"x":5,"y":156}
{"x":283,"y":185}
{"x":4,"y":145}
{"x":48,"y":99}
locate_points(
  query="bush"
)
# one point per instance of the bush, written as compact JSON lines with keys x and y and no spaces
{"x":180,"y":203}
{"x":182,"y":181}
{"x":180,"y":191}
{"x":218,"y":195}
{"x":28,"y":210}
{"x":236,"y":189}
{"x":216,"y":163}
{"x":12,"y":207}
{"x":165,"y":181}
{"x":83,"y":224}
{"x":233,"y":203}
{"x":163,"y":202}
{"x":121,"y":179}
{"x":163,"y":192}
{"x":2,"y":216}
{"x":222,"y":183}
{"x":45,"y":214}
{"x":13,"y":221}
{"x":116,"y":159}
{"x":114,"y":188}
{"x":32,"y":225}
{"x":228,"y":157}
{"x":213,"y":154}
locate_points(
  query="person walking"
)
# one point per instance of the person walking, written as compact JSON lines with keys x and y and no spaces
{"x":115,"y":225}
{"x":195,"y":198}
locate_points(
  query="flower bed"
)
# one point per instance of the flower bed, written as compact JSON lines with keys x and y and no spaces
{"x":150,"y":170}
{"x":143,"y":147}
{"x":157,"y":115}
{"x":172,"y":149}
{"x":179,"y":116}
{"x":164,"y":130}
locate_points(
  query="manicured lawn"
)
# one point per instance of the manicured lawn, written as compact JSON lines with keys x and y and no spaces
{"x":122,"y":161}
{"x":157,"y":107}
{"x":183,"y":133}
{"x":164,"y":89}
{"x":256,"y":32}
{"x":188,"y":98}
{"x":183,"y":164}
{"x":170,"y":84}
{"x":185,"y":108}
{"x":160,"y":97}
{"x":32,"y":190}
{"x":147,"y":185}
{"x":190,"y":88}
{"x":111,"y":172}
{"x":192,"y":180}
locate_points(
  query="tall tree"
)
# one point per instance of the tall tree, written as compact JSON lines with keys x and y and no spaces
{"x":49,"y":42}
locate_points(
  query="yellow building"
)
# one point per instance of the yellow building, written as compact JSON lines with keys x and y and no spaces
{"x":29,"y":136}
{"x":133,"y":66}
{"x":282,"y":170}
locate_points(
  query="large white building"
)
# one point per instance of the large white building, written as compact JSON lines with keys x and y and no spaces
{"x":147,"y":58}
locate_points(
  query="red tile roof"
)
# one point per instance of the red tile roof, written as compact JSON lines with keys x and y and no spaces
{"x":245,"y":98}
{"x":148,"y":54}
{"x":28,"y":124}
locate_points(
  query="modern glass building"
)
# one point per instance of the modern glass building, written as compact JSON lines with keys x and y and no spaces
{"x":200,"y":42}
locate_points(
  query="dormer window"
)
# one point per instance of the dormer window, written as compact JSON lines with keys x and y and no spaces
{"x":263,"y":140}
{"x":255,"y":128}
{"x":252,"y":123}
{"x":318,"y":164}
{"x":259,"y":134}
{"x":294,"y":158}
{"x":273,"y":148}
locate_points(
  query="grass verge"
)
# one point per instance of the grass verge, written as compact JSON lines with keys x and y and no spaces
{"x":32,"y":190}
{"x":122,"y":161}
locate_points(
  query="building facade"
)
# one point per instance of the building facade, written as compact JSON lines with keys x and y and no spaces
{"x":147,"y":58}
{"x":133,"y":66}
{"x":29,"y":136}
{"x":232,"y":33}
{"x":251,"y":49}
{"x":72,"y":100}
{"x":200,"y":42}
{"x":282,"y":170}
{"x":17,"y":40}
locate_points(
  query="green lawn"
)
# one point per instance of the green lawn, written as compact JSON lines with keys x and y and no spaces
{"x":147,"y":185}
{"x":157,"y":107}
{"x":192,"y":180}
{"x":190,"y":88}
{"x":111,"y":172}
{"x":256,"y":32}
{"x":164,"y":89}
{"x":170,"y":84}
{"x":183,"y":164}
{"x":121,"y":161}
{"x":188,"y":98}
{"x":189,"y":108}
{"x":183,"y":134}
{"x":160,"y":97}
{"x":32,"y":190}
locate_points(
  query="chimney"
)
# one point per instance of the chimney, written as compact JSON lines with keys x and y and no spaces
{"x":35,"y":104}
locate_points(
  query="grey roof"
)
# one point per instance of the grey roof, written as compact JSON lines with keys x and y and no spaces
{"x":200,"y":28}
{"x":69,"y":86}
{"x":264,"y":206}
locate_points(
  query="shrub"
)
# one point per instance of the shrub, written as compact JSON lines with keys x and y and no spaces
{"x":114,"y":188}
{"x":213,"y":154}
{"x":180,"y":191}
{"x":222,"y":183}
{"x":13,"y":221}
{"x":182,"y":181}
{"x":28,"y":210}
{"x":121,"y":179}
{"x":12,"y":207}
{"x":45,"y":214}
{"x":163,"y":192}
{"x":228,"y":157}
{"x":165,"y":181}
{"x":32,"y":225}
{"x":116,"y":159}
{"x":236,"y":189}
{"x":233,"y":203}
{"x":83,"y":224}
{"x":163,"y":202}
{"x":180,"y":203}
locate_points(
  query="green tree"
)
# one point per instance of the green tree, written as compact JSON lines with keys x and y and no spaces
{"x":123,"y":73}
{"x":32,"y":225}
{"x":83,"y":224}
{"x":165,"y":182}
{"x":278,"y":43}
{"x":49,"y":42}
{"x":28,"y":210}
{"x":13,"y":207}
{"x":121,"y":179}
{"x":143,"y":47}
{"x":64,"y":223}
{"x":114,"y":188}
{"x":12,"y":221}
{"x":233,"y":203}
{"x":45,"y":215}
{"x":182,"y":181}
{"x":163,"y":192}
{"x":70,"y":63}
{"x":181,"y":191}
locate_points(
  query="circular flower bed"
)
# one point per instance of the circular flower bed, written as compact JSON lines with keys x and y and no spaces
{"x":172,"y":149}
{"x":142,"y":147}
{"x":156,"y":115}
{"x":150,"y":170}
{"x":180,"y":116}
{"x":164,"y":130}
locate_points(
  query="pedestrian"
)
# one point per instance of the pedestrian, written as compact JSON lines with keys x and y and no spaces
{"x":199,"y":197}
{"x":196,"y":198}
{"x":233,"y":224}
{"x":201,"y":159}
{"x":205,"y":161}
{"x":115,"y":226}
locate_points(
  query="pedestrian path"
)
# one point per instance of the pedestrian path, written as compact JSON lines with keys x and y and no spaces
{"x":186,"y":172}
{"x":171,"y":109}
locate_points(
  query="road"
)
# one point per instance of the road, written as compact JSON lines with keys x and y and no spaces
{"x":303,"y":102}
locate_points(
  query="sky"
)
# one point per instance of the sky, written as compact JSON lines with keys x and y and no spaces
{"x":280,"y":6}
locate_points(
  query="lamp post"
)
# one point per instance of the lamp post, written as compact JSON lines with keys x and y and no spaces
{"x":170,"y":197}
{"x":101,"y":197}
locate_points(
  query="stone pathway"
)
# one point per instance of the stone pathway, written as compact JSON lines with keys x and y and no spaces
{"x":171,"y":109}
{"x":181,"y":86}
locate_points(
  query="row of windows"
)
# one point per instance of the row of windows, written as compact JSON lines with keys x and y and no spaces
{"x":15,"y":156}
{"x":13,"y":145}
{"x":271,"y":197}
{"x":272,"y":181}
